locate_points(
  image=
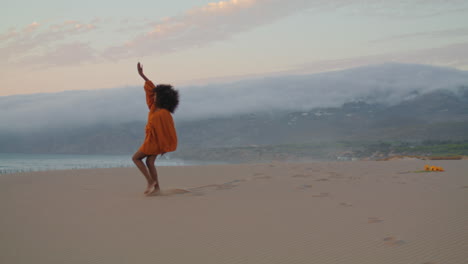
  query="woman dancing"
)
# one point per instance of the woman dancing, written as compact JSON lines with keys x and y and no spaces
{"x":161,"y":137}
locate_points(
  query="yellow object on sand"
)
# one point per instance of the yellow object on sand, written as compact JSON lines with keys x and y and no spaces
{"x":433,"y":168}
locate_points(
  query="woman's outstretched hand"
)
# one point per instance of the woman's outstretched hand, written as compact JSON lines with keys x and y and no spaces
{"x":140,"y":71}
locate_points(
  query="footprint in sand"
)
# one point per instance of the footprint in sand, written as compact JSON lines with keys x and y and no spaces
{"x":316,"y":170}
{"x":343,"y":204}
{"x":223,"y":186}
{"x":301,"y":176}
{"x":257,"y":176}
{"x":88,"y":188}
{"x":322,"y":179}
{"x":260,"y":176}
{"x":465,"y":187}
{"x":321,"y":195}
{"x":304,"y":186}
{"x":169,"y":192}
{"x":198,"y":191}
{"x":264,"y":177}
{"x":393,"y":242}
{"x":228,"y":185}
{"x":374,"y":220}
{"x":335,"y":175}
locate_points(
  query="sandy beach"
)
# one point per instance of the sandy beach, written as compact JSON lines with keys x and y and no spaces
{"x":319,"y":212}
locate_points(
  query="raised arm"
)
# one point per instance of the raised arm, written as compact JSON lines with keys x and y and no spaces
{"x":140,"y":71}
{"x":149,"y":86}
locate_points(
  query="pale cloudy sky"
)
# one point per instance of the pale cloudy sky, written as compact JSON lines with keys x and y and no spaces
{"x":56,"y":45}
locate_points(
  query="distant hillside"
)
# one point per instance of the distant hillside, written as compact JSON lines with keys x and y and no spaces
{"x":440,"y":115}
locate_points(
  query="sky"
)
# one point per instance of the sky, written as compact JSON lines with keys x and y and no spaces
{"x":60,"y":45}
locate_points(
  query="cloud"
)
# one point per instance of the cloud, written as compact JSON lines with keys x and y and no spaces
{"x":41,"y":44}
{"x":37,"y":44}
{"x":403,"y":9}
{"x":71,"y":109}
{"x":388,"y":84}
{"x":219,"y":21}
{"x":454,"y":32}
{"x":63,"y":55}
{"x":204,"y":25}
{"x":454,"y":55}
{"x":32,"y":27}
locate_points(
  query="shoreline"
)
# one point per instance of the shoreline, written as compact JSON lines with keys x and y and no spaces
{"x":184,"y":163}
{"x":11,"y":163}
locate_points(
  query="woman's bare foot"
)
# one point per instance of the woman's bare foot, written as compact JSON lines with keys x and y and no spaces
{"x":150,"y":188}
{"x":155,"y":190}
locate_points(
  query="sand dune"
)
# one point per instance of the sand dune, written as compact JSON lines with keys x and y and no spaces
{"x":324,"y":212}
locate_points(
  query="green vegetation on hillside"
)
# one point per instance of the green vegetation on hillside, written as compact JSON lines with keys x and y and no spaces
{"x":345,"y":150}
{"x":436,"y":148}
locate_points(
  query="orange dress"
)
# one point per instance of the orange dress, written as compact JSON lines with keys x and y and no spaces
{"x":160,"y":131}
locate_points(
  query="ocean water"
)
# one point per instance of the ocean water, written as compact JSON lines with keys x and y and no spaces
{"x":13,"y":162}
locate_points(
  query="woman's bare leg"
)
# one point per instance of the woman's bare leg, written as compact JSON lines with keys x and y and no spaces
{"x":153,"y":172}
{"x":137,"y":159}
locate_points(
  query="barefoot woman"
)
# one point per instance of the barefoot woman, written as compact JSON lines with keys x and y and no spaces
{"x":160,"y":136}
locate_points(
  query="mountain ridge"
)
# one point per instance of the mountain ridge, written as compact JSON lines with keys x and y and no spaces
{"x":426,"y":117}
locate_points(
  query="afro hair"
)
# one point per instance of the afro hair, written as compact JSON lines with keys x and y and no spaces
{"x":166,"y":97}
